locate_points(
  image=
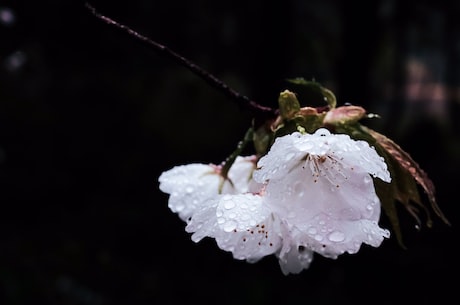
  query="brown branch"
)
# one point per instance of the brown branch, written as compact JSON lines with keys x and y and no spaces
{"x":242,"y":100}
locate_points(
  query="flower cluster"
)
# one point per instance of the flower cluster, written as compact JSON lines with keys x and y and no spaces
{"x":305,"y":189}
{"x":309,"y":193}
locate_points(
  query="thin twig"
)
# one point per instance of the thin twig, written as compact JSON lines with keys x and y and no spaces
{"x":242,"y":100}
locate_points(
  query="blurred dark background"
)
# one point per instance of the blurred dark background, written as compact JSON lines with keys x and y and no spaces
{"x":90,"y":117}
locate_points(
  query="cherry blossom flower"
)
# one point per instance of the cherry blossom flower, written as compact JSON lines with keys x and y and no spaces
{"x":310,"y":193}
{"x":321,"y":185}
{"x":190,"y":186}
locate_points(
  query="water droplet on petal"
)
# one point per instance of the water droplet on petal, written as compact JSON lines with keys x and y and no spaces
{"x":305,"y":146}
{"x":336,"y":236}
{"x":322,"y":132}
{"x":318,"y":237}
{"x":220,"y":220}
{"x":179,"y":207}
{"x":312,"y":230}
{"x":289,"y":156}
{"x":229,"y":204}
{"x":189,"y":189}
{"x":245,"y":217}
{"x":229,"y":226}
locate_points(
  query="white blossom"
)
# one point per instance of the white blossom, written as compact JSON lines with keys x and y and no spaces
{"x":321,"y":185}
{"x":310,"y":193}
{"x":190,"y":186}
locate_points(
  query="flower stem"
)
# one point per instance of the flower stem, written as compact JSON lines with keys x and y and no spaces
{"x":241,"y":99}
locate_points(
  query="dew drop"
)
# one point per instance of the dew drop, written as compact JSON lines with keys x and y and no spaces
{"x":336,"y":236}
{"x":245,"y":217}
{"x":229,"y":226}
{"x":189,"y":189}
{"x":322,"y":132}
{"x":318,"y":237}
{"x":229,"y":204}
{"x":369,"y":207}
{"x":179,"y":207}
{"x":220,"y":220}
{"x":306,"y":146}
{"x":289,"y":156}
{"x":312,"y":230}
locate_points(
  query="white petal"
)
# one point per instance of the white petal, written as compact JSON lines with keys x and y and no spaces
{"x":204,"y":221}
{"x":291,"y":150}
{"x":283,"y":156}
{"x":240,"y":224}
{"x":240,"y":175}
{"x":240,"y":212}
{"x":189,"y":187}
{"x":331,"y":209}
{"x":294,"y":256}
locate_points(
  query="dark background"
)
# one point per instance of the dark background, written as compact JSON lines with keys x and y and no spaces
{"x":90,"y":117}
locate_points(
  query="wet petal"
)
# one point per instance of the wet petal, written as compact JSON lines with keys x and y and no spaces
{"x":189,"y":186}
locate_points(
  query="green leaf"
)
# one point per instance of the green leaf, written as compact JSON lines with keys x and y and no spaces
{"x":314,"y":89}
